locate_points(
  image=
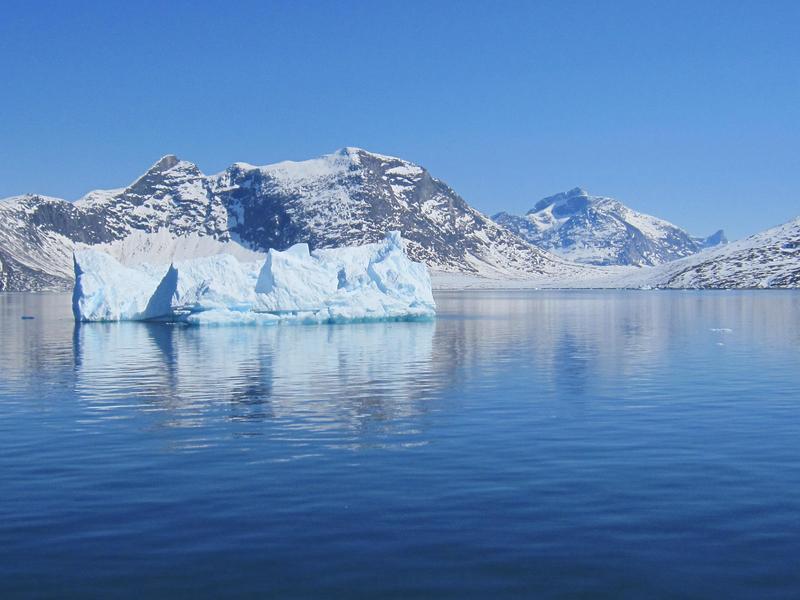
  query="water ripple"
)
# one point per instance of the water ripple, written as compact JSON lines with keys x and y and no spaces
{"x":525,"y":443}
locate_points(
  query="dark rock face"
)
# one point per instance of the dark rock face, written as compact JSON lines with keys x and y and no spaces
{"x":601,"y":231}
{"x":346,"y":198}
{"x":717,"y":238}
{"x":354,"y":198}
{"x":15,"y":276}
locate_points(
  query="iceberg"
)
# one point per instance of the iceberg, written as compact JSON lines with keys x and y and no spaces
{"x":361,"y":283}
{"x":105,"y":290}
{"x":217,"y":282}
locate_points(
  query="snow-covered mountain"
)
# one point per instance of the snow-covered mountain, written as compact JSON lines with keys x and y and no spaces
{"x":602,"y":231}
{"x":769,"y":259}
{"x":350,"y":197}
{"x":764,"y":260}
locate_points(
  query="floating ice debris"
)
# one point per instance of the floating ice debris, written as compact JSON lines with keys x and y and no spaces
{"x":721,"y":330}
{"x":370,"y":282}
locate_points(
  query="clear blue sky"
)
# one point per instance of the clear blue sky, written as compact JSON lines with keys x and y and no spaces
{"x":687,"y":110}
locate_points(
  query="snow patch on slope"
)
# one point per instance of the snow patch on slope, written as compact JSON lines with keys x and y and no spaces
{"x":162,"y":246}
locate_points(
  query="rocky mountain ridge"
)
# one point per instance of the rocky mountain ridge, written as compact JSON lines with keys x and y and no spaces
{"x":346,"y":198}
{"x":602,"y":231}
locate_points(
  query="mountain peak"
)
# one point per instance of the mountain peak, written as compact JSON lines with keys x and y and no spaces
{"x":573,"y":200}
{"x":168,"y":168}
{"x":350,"y":151}
{"x":601,"y":231}
{"x":358,"y":153}
{"x":171,"y":166}
{"x":165,"y":163}
{"x":718,"y":238}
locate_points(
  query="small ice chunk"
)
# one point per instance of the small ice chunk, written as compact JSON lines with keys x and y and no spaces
{"x":231,"y":317}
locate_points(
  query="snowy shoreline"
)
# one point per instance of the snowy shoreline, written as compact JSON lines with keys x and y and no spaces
{"x":454,"y":282}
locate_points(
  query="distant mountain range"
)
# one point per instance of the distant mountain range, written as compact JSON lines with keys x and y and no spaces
{"x":603,"y":231}
{"x":351,"y":197}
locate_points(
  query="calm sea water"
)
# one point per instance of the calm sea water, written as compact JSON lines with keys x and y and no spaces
{"x":548,"y":444}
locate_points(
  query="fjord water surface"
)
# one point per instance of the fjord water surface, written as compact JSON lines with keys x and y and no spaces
{"x":548,"y":444}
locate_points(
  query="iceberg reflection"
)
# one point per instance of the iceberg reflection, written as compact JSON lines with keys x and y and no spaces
{"x":317,"y":377}
{"x":558,"y":351}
